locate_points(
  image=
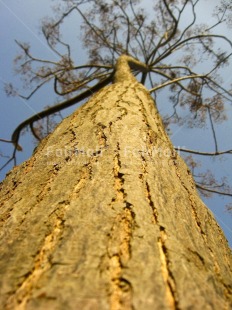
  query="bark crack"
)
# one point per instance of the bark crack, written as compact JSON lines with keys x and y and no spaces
{"x":102,"y":138}
{"x":191,"y":198}
{"x":47,"y":185}
{"x":119,"y":244}
{"x":157,"y":135}
{"x":119,"y":180}
{"x":151,"y":203}
{"x":168,"y":277}
{"x":166,"y":271}
{"x":85,"y":176}
{"x":119,"y":253}
{"x":42,"y":263}
{"x":199,"y":227}
{"x":45,"y":191}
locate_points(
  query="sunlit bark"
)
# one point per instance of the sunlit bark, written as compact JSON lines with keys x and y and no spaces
{"x":105,"y":215}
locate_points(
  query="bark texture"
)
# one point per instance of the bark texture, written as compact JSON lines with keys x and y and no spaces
{"x":105,"y":215}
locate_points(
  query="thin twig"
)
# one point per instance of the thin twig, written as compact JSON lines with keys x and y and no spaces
{"x":177,"y":80}
{"x":212,"y":190}
{"x":204,"y":153}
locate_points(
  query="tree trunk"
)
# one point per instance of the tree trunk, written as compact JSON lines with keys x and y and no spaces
{"x":105,"y":215}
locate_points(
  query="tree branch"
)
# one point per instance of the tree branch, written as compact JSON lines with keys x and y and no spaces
{"x":56,"y":108}
{"x":170,"y":49}
{"x":213,"y":130}
{"x":177,"y":80}
{"x":204,"y":153}
{"x":212,"y":190}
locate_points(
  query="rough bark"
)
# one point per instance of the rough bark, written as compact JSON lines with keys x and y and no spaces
{"x":105,"y":215}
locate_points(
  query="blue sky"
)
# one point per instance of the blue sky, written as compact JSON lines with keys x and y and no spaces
{"x":20,"y":19}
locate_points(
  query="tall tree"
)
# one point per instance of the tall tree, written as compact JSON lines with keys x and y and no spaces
{"x":112,"y":211}
{"x":120,"y":27}
{"x":105,"y":215}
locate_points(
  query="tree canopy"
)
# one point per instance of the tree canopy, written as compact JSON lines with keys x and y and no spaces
{"x":184,"y":58}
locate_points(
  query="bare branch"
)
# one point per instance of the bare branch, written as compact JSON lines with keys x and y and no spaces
{"x":4,"y":140}
{"x":172,"y":29}
{"x":34,"y":132}
{"x":213,"y":130}
{"x":212,"y":190}
{"x":177,"y":80}
{"x":204,"y":153}
{"x":175,"y":46}
{"x":58,"y":107}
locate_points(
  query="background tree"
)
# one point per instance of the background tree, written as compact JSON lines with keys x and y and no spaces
{"x":162,"y":230}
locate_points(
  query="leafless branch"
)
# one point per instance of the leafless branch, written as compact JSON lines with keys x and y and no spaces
{"x":175,"y":46}
{"x":213,"y":130}
{"x":204,"y":153}
{"x":56,"y":108}
{"x":177,"y":80}
{"x":203,"y":188}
